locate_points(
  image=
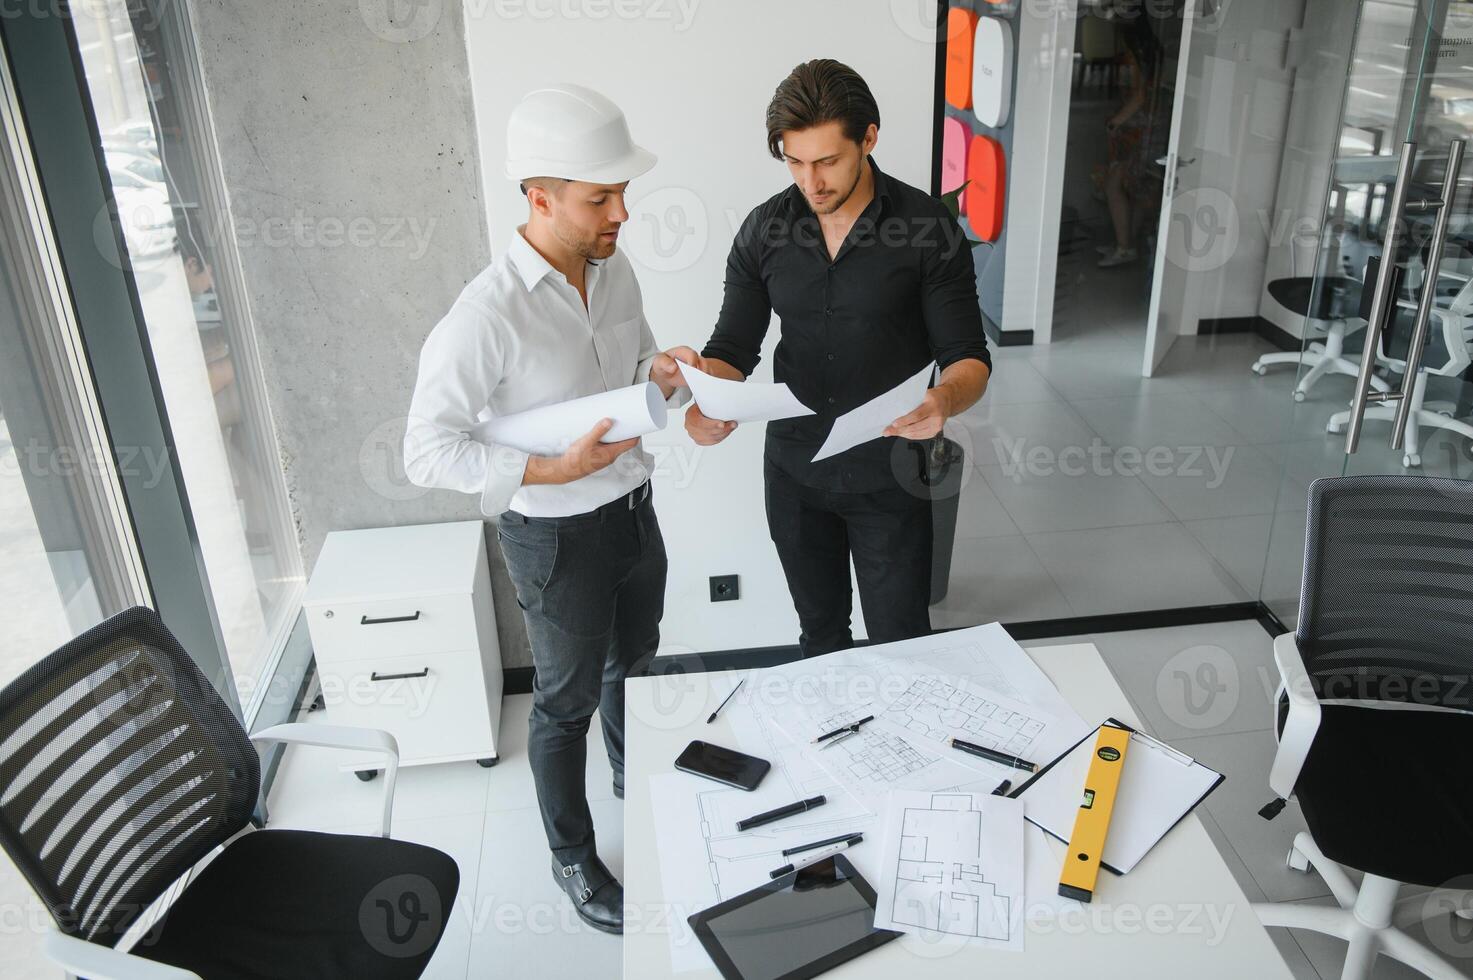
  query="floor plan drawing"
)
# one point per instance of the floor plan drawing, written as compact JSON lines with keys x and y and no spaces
{"x":952,"y":865}
{"x":935,"y":709}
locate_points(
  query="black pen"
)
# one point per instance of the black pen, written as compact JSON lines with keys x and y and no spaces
{"x":992,"y":755}
{"x":1003,"y":787}
{"x":852,"y":727}
{"x":723,"y":703}
{"x":801,"y":806}
{"x":790,"y":851}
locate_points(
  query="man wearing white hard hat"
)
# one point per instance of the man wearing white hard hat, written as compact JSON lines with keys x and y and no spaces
{"x":558,"y":316}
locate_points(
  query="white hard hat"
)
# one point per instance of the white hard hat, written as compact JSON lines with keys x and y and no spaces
{"x":572,"y":132}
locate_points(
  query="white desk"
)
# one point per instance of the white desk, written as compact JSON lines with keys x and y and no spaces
{"x":1179,"y":914}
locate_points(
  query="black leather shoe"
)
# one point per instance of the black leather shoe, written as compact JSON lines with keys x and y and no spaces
{"x":619,"y":785}
{"x":597,"y":896}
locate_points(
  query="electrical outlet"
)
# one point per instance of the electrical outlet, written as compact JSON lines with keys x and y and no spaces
{"x":725,"y":588}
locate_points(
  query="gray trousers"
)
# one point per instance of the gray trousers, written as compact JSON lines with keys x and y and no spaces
{"x":592,"y":592}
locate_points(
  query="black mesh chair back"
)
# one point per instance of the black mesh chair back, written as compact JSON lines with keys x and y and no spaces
{"x":1386,"y":612}
{"x":120,"y":768}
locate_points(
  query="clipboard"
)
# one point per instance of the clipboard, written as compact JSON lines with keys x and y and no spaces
{"x":1142,"y":817}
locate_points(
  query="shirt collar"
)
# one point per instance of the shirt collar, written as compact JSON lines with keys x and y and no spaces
{"x":532,"y":267}
{"x":796,"y":202}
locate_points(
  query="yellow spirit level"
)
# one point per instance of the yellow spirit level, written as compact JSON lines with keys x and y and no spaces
{"x":1087,"y":843}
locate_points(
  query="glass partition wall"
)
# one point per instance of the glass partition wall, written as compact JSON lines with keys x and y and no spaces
{"x":1392,"y":272}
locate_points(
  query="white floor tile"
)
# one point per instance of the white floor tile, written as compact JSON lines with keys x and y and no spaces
{"x":1150,"y":566}
{"x":979,"y":512}
{"x":1221,"y":481}
{"x":1069,"y":501}
{"x":523,"y":925}
{"x":1014,"y":382}
{"x":1157,"y":419}
{"x":996,"y":579}
{"x":1188,"y":681}
{"x":1006,"y":434}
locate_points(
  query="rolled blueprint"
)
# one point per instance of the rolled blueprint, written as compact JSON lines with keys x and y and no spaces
{"x":637,"y":410}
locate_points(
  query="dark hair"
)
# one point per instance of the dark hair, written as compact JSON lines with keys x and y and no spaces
{"x":816,"y":92}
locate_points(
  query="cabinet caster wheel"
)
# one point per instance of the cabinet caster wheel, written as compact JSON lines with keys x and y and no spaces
{"x":1334,"y":428}
{"x":488,"y":763}
{"x":367,"y":775}
{"x":1410,"y":460}
{"x":1299,"y":396}
{"x":1260,"y":369}
{"x":1297,"y":861}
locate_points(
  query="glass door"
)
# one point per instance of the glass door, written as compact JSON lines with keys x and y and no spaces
{"x":1384,"y":384}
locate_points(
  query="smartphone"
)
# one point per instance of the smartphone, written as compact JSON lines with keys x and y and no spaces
{"x":726,"y":766}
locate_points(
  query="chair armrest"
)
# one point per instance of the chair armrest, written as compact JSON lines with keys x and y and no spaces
{"x":342,"y":737}
{"x":80,"y":958}
{"x":1303,"y":721}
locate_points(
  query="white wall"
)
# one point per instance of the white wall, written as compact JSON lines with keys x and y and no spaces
{"x":694,"y":81}
{"x":1041,"y":97}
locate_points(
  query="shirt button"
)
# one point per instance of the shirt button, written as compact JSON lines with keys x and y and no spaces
{"x":832,"y":356}
{"x":831,"y":401}
{"x":828,"y":312}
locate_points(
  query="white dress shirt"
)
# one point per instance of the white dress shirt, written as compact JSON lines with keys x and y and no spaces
{"x":519,"y":337}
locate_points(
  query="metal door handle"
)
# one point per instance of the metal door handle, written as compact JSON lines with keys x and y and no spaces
{"x":1381,"y":298}
{"x":1418,"y":346}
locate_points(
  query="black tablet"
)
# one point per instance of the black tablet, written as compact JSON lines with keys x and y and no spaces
{"x":793,"y":927}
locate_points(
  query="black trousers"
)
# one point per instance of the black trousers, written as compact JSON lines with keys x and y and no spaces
{"x":888,"y":536}
{"x":592,"y":592}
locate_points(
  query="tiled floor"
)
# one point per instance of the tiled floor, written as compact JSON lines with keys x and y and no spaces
{"x":510,"y":919}
{"x":1177,"y":485}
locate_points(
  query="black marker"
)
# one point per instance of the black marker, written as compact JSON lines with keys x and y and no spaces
{"x":802,"y":806}
{"x":992,"y":755}
{"x":1003,"y":787}
{"x":790,"y":851}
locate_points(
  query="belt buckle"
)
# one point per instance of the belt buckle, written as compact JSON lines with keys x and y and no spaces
{"x":637,"y":495}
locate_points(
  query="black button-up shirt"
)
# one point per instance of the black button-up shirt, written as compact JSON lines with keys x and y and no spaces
{"x":902,"y":291}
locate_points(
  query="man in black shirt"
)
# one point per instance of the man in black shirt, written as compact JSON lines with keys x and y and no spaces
{"x":872,"y":280}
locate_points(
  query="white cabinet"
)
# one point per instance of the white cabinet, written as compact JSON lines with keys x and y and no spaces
{"x":405,"y":639}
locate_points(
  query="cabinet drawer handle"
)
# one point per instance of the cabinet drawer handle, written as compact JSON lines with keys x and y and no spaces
{"x":376,"y":676}
{"x":365,"y":621}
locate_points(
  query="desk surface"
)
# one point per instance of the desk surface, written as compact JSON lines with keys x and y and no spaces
{"x":1180,"y":913}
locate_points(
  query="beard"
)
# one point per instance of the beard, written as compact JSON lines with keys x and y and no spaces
{"x":583,"y":244}
{"x":838,"y":200}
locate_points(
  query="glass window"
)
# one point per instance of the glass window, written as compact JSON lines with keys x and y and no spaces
{"x":158,"y":151}
{"x":67,"y":558}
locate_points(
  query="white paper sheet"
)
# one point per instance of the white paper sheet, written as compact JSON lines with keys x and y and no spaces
{"x":548,"y":431}
{"x":1157,"y":786}
{"x":704,"y":860}
{"x":976,"y":684}
{"x":952,"y":865}
{"x":741,"y":401}
{"x":870,"y":420}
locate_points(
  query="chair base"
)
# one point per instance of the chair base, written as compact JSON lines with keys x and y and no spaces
{"x":1321,"y":359}
{"x":1363,"y":919}
{"x":1420,"y":416}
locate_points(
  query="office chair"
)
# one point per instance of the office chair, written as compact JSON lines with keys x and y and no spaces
{"x":1373,"y":711}
{"x":1447,"y":355}
{"x":1329,"y":304}
{"x":121,"y":769}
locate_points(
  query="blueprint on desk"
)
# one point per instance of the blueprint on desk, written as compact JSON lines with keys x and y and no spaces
{"x":953,"y":864}
{"x":930,"y":688}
